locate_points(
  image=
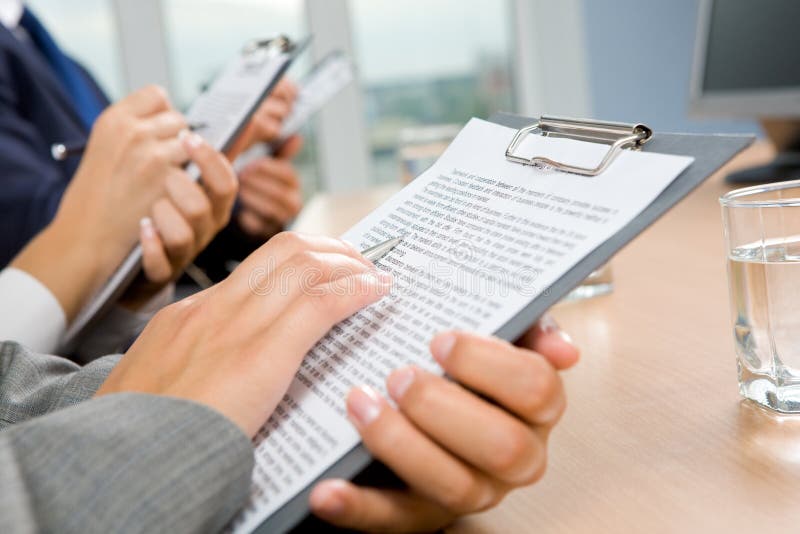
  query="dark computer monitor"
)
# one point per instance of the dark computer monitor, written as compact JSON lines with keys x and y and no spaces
{"x":747,"y":64}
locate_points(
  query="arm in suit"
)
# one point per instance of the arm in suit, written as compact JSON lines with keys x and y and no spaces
{"x":120,"y":463}
{"x":32,"y":384}
{"x":32,"y":186}
{"x":33,"y":114}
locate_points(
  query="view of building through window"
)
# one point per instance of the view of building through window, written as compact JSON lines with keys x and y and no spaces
{"x":427,"y":63}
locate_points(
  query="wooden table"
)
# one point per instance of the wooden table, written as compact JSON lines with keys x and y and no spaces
{"x":656,"y":438}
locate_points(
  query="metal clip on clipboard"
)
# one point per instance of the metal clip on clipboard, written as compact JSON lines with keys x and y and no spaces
{"x":618,"y":135}
{"x":281,"y":43}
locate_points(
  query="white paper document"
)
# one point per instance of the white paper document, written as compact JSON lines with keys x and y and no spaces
{"x":483,"y":238}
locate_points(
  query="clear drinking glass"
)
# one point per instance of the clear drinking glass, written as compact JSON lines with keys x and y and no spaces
{"x":762,"y":239}
{"x":600,"y":282}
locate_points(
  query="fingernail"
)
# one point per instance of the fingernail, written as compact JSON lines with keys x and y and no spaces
{"x":183,"y":133}
{"x":385,"y":278}
{"x":326,"y":499}
{"x":547,"y":324}
{"x":399,"y":382}
{"x":565,"y":337}
{"x":442,"y":346}
{"x":148,"y":230}
{"x":364,"y":405}
{"x":192,"y":140}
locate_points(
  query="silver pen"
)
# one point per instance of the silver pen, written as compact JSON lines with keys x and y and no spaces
{"x":380,"y":250}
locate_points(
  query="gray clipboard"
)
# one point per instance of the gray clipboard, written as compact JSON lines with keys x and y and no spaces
{"x":710,"y":153}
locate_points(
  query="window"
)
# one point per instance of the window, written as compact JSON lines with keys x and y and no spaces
{"x":429,"y":63}
{"x":202,"y":35}
{"x":86,"y":29}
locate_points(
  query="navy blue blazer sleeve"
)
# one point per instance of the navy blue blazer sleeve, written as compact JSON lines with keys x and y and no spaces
{"x":31,"y":185}
{"x":35,"y":112}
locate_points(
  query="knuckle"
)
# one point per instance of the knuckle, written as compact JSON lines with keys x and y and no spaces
{"x":193,"y":310}
{"x":160,"y":208}
{"x":198,"y":210}
{"x":511,"y":450}
{"x":295,"y":204}
{"x":178,"y":118}
{"x":282,"y":108}
{"x":462,"y":497}
{"x":154,"y":166}
{"x":228,"y":188}
{"x":158,"y":274}
{"x":160,"y":158}
{"x":157,"y":93}
{"x":138,"y":131}
{"x":180,"y":241}
{"x":184,"y":238}
{"x":495,"y":499}
{"x":224,"y":218}
{"x":325,"y":303}
{"x":169,"y":313}
{"x":109,"y":119}
{"x":287,"y":240}
{"x":306,"y":259}
{"x":536,"y":471}
{"x":263,"y":167}
{"x":266,"y":123}
{"x":540,"y":387}
{"x":178,"y":312}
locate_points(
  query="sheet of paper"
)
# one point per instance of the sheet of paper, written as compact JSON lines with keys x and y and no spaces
{"x":483,"y":238}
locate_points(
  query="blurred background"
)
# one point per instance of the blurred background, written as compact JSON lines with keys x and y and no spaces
{"x":424,"y":67}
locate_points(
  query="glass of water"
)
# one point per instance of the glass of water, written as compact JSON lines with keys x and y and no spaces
{"x":762,"y":238}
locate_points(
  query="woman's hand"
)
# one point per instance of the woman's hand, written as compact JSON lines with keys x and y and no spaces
{"x":270,"y":192}
{"x":132,"y":152}
{"x":267,"y":121}
{"x":236,"y":346}
{"x":184,"y":221}
{"x":458,"y":452}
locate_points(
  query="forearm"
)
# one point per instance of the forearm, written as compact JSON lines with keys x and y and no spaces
{"x":72,"y":269}
{"x":124,"y":463}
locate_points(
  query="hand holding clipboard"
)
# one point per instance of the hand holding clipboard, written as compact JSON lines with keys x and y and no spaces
{"x":223,"y":111}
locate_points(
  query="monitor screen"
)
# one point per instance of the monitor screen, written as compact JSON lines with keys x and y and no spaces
{"x":752,"y":45}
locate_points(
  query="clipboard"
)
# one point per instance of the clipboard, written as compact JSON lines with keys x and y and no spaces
{"x":326,"y":79}
{"x":710,"y":153}
{"x":259,"y":67}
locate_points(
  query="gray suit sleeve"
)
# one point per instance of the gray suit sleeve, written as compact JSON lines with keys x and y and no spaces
{"x":124,"y":463}
{"x":34,"y":384}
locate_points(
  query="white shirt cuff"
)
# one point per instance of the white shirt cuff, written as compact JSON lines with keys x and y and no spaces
{"x":29,"y":313}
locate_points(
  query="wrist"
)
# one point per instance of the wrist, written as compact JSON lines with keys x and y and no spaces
{"x":76,"y":243}
{"x":67,"y":266}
